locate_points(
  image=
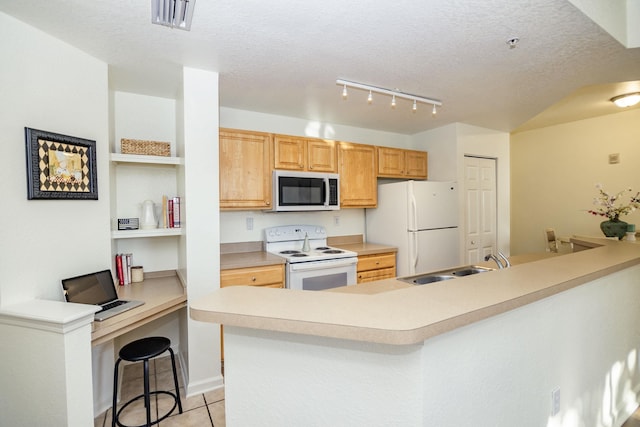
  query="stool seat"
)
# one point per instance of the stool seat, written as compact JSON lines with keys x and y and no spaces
{"x":145,"y":348}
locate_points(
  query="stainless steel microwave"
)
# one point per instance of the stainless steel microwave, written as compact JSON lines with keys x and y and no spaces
{"x":305,"y":191}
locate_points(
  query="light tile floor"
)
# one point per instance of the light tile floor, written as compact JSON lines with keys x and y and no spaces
{"x":201,"y":410}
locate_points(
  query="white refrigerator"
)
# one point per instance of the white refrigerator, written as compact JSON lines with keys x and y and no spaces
{"x":420,"y":218}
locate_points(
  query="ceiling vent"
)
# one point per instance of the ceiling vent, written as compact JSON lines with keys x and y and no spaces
{"x":172,"y":13}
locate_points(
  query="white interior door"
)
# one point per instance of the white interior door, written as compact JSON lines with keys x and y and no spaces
{"x":480,"y":208}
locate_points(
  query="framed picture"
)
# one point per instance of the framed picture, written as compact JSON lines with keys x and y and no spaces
{"x":60,"y":166}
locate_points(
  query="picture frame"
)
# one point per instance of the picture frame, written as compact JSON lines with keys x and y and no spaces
{"x":60,"y":166}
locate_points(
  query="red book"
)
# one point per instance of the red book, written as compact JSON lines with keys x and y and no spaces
{"x":119,"y":269}
{"x":170,"y":209}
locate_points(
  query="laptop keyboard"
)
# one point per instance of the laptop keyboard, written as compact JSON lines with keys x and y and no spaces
{"x":112,"y":304}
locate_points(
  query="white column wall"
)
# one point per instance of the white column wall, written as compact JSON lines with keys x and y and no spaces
{"x":200,"y":261}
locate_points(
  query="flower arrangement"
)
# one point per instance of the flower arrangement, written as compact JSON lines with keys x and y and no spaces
{"x":611,"y":206}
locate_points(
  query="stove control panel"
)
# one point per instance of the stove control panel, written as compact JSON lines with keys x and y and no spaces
{"x":294,"y":232}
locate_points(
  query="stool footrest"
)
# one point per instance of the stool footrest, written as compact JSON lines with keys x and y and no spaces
{"x":141,"y":396}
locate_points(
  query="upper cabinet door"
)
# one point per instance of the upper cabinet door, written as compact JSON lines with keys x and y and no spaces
{"x":357,"y":167}
{"x":245,"y":170}
{"x":322,"y":156}
{"x":401,"y":163}
{"x":415,"y":164}
{"x":304,"y":154}
{"x":390,"y":162}
{"x":289,"y":152}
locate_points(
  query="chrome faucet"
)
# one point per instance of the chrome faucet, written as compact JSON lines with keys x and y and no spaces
{"x":507,"y":264}
{"x":500,"y":260}
{"x":495,"y":258}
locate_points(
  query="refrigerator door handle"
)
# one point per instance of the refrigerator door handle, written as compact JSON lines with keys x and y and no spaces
{"x":413,"y":252}
{"x":413,"y":213}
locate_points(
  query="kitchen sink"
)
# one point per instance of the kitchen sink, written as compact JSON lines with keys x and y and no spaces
{"x":438,"y":276}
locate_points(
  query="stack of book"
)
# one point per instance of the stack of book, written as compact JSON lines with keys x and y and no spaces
{"x":170,"y":212}
{"x":123,"y":268}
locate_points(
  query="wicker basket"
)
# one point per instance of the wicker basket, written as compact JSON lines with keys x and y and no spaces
{"x":146,"y":148}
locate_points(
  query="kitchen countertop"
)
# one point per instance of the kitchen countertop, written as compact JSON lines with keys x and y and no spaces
{"x":250,"y":254}
{"x":402,"y":315}
{"x":248,"y":259}
{"x":365,"y":248}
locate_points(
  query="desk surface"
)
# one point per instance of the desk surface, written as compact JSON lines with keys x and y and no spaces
{"x":161,"y":294}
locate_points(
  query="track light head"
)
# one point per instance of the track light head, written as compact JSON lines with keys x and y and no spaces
{"x":370,"y":98}
{"x":344,"y":92}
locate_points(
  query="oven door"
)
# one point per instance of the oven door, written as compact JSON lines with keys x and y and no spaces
{"x":320,"y":275}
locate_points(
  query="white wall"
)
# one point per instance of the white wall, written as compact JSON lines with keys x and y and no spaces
{"x":447,"y":147}
{"x":48,"y":85}
{"x":554,"y":171}
{"x":51,"y":86}
{"x":201,"y":258}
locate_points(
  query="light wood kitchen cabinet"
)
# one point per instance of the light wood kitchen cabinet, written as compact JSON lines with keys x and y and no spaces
{"x":304,"y":154}
{"x":245,"y":170}
{"x":376,"y":267}
{"x":400,"y":163}
{"x":269,"y":276}
{"x":357,"y":166}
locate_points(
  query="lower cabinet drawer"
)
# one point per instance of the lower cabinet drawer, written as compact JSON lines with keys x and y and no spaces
{"x":372,"y":275}
{"x":272,"y":275}
{"x":373,"y":262}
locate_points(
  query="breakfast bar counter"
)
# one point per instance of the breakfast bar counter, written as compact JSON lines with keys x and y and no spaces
{"x":405,"y":355}
{"x":411,"y":314}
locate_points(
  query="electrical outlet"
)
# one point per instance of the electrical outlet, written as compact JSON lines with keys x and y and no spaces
{"x":555,"y":401}
{"x":336,"y":220}
{"x":249,"y":223}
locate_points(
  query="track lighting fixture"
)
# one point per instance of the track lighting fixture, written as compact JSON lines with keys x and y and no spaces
{"x":434,"y":111}
{"x":393,"y":93}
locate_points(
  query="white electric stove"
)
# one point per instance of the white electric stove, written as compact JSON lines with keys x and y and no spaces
{"x":311,"y":264}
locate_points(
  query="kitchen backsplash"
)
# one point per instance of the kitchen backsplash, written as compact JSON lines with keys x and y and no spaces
{"x":246,"y":226}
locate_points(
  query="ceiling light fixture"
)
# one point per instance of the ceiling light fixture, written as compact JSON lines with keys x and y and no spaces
{"x":434,"y":111}
{"x":344,"y":92}
{"x":626,"y":100}
{"x":393,"y":93}
{"x":172,"y":13}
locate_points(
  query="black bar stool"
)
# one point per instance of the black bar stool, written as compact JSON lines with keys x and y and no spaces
{"x":145,"y":349}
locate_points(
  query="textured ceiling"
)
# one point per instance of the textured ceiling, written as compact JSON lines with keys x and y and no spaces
{"x":283,"y":57}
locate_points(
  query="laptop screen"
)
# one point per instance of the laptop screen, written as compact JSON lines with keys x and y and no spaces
{"x":94,"y":288}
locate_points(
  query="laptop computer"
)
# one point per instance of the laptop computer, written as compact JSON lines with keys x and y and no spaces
{"x":98,"y":289}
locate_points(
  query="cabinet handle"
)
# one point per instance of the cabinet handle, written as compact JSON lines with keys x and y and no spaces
{"x":377,"y":262}
{"x":253,"y":279}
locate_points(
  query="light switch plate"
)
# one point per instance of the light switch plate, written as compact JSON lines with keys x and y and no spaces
{"x":614,"y":158}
